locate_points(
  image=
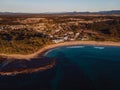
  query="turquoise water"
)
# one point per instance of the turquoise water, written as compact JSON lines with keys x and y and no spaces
{"x":87,"y":68}
{"x":77,"y":68}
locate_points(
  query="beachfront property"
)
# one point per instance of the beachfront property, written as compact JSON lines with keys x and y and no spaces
{"x":58,"y":40}
{"x":29,"y":33}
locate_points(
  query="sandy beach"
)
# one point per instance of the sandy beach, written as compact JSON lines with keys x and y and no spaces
{"x":46,"y":48}
{"x":40,"y":53}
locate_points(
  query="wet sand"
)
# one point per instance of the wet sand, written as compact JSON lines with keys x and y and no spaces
{"x":46,"y":48}
{"x":11,"y":68}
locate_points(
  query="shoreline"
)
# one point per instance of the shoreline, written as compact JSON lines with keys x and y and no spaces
{"x":26,"y":71}
{"x":46,"y":49}
{"x":40,"y":52}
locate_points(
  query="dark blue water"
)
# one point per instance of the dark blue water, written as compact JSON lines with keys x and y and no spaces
{"x":77,"y":68}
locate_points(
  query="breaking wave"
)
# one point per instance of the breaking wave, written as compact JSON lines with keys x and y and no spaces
{"x":46,"y":53}
{"x":99,"y":47}
{"x":76,"y":47}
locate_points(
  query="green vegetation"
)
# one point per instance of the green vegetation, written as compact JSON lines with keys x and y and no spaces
{"x":25,"y":34}
{"x":109,"y":30}
{"x":22,"y":41}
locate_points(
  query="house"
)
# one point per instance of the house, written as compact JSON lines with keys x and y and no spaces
{"x":84,"y":38}
{"x":58,"y":40}
{"x":66,"y":38}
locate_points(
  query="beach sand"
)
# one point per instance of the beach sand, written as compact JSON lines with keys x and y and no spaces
{"x":70,"y":43}
{"x":46,"y":49}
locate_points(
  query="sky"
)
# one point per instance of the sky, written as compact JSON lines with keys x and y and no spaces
{"x":40,"y":6}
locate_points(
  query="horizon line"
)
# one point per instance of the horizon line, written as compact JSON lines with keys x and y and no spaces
{"x":59,"y":12}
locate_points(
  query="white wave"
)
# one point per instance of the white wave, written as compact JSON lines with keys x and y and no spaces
{"x":99,"y":47}
{"x":76,"y":47}
{"x":46,"y":53}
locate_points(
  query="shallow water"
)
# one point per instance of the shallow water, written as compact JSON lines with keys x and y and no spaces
{"x":77,"y":68}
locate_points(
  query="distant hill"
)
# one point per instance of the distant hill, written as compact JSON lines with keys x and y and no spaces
{"x":6,"y":13}
{"x":12,"y":13}
{"x":109,"y":12}
{"x":100,"y":12}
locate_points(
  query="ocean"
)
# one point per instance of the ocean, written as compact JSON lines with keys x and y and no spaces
{"x":77,"y":68}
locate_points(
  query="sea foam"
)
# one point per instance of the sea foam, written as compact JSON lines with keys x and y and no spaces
{"x":76,"y":47}
{"x":46,"y":53}
{"x":99,"y":47}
